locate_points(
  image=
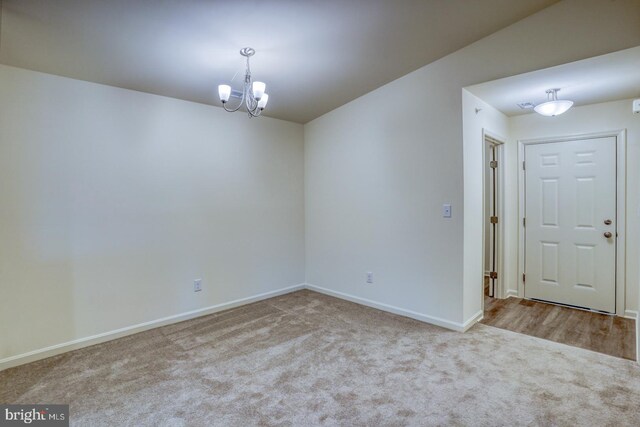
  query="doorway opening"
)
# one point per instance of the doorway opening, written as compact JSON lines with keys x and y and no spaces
{"x":560,"y":261}
{"x":493,"y":212}
{"x":572,"y":232}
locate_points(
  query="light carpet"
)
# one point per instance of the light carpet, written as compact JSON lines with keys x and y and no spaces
{"x":307,"y":359}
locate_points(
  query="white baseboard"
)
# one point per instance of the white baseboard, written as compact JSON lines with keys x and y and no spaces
{"x":455,"y":326}
{"x":466,"y":325}
{"x":638,"y":339}
{"x":511,"y":293}
{"x":56,"y":349}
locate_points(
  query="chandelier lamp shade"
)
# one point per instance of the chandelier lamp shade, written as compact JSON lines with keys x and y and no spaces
{"x":553,"y":106}
{"x":252,"y":95}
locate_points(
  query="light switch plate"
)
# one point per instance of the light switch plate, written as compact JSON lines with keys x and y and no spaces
{"x":446,"y":210}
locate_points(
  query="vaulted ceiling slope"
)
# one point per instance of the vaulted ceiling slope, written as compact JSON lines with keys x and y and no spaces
{"x":314,"y":55}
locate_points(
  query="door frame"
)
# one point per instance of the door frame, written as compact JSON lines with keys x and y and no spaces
{"x":499,"y":142}
{"x":621,"y":160}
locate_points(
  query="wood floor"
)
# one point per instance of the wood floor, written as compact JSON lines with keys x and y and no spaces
{"x":611,"y":335}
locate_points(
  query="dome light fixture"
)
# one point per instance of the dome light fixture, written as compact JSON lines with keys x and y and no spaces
{"x":553,"y":106}
{"x":252,"y":96}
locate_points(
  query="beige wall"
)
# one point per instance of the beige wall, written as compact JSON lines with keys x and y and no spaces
{"x":378,"y":169}
{"x":608,"y":116}
{"x":114,"y":201}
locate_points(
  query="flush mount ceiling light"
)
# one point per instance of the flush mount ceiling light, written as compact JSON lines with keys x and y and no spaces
{"x":252,"y":95}
{"x":553,"y":106}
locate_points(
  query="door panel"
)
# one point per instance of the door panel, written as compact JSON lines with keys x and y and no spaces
{"x":570,"y":190}
{"x":550,"y":261}
{"x":549,"y":192}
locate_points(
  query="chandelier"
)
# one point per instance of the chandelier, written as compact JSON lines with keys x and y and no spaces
{"x":553,"y":106}
{"x":252,"y":95}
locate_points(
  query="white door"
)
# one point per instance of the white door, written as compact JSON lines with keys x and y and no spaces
{"x":570,"y":232}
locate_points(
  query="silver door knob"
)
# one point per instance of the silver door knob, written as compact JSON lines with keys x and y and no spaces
{"x":607,"y":234}
{"x":607,"y":222}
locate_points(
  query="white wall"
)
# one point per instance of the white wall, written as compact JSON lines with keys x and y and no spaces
{"x":606,"y":116}
{"x":114,"y":201}
{"x":378,"y":169}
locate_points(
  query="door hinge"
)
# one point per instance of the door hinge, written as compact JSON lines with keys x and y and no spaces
{"x":493,"y":164}
{"x":493,"y":275}
{"x":494,"y":220}
{"x":524,"y":278}
{"x":524,"y":222}
{"x":523,"y":166}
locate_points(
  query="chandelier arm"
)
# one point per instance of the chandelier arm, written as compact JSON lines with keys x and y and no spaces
{"x":250,"y":102}
{"x":233,"y":110}
{"x":253,"y":114}
{"x":247,"y":84}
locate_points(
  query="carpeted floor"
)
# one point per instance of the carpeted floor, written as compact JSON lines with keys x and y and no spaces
{"x":307,"y":359}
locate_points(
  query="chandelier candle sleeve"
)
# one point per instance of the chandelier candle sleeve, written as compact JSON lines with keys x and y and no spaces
{"x":258,"y":90}
{"x":263,"y":101}
{"x":224,"y":91}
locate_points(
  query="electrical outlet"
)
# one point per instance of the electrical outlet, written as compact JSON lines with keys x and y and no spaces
{"x":197,"y":285}
{"x":369,"y":277}
{"x":446,"y":210}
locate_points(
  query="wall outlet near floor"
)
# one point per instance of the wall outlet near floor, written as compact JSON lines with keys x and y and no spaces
{"x":197,"y":285}
{"x":369,"y":277}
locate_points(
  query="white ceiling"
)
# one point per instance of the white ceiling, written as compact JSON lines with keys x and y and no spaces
{"x":604,"y":78}
{"x":314,"y":55}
